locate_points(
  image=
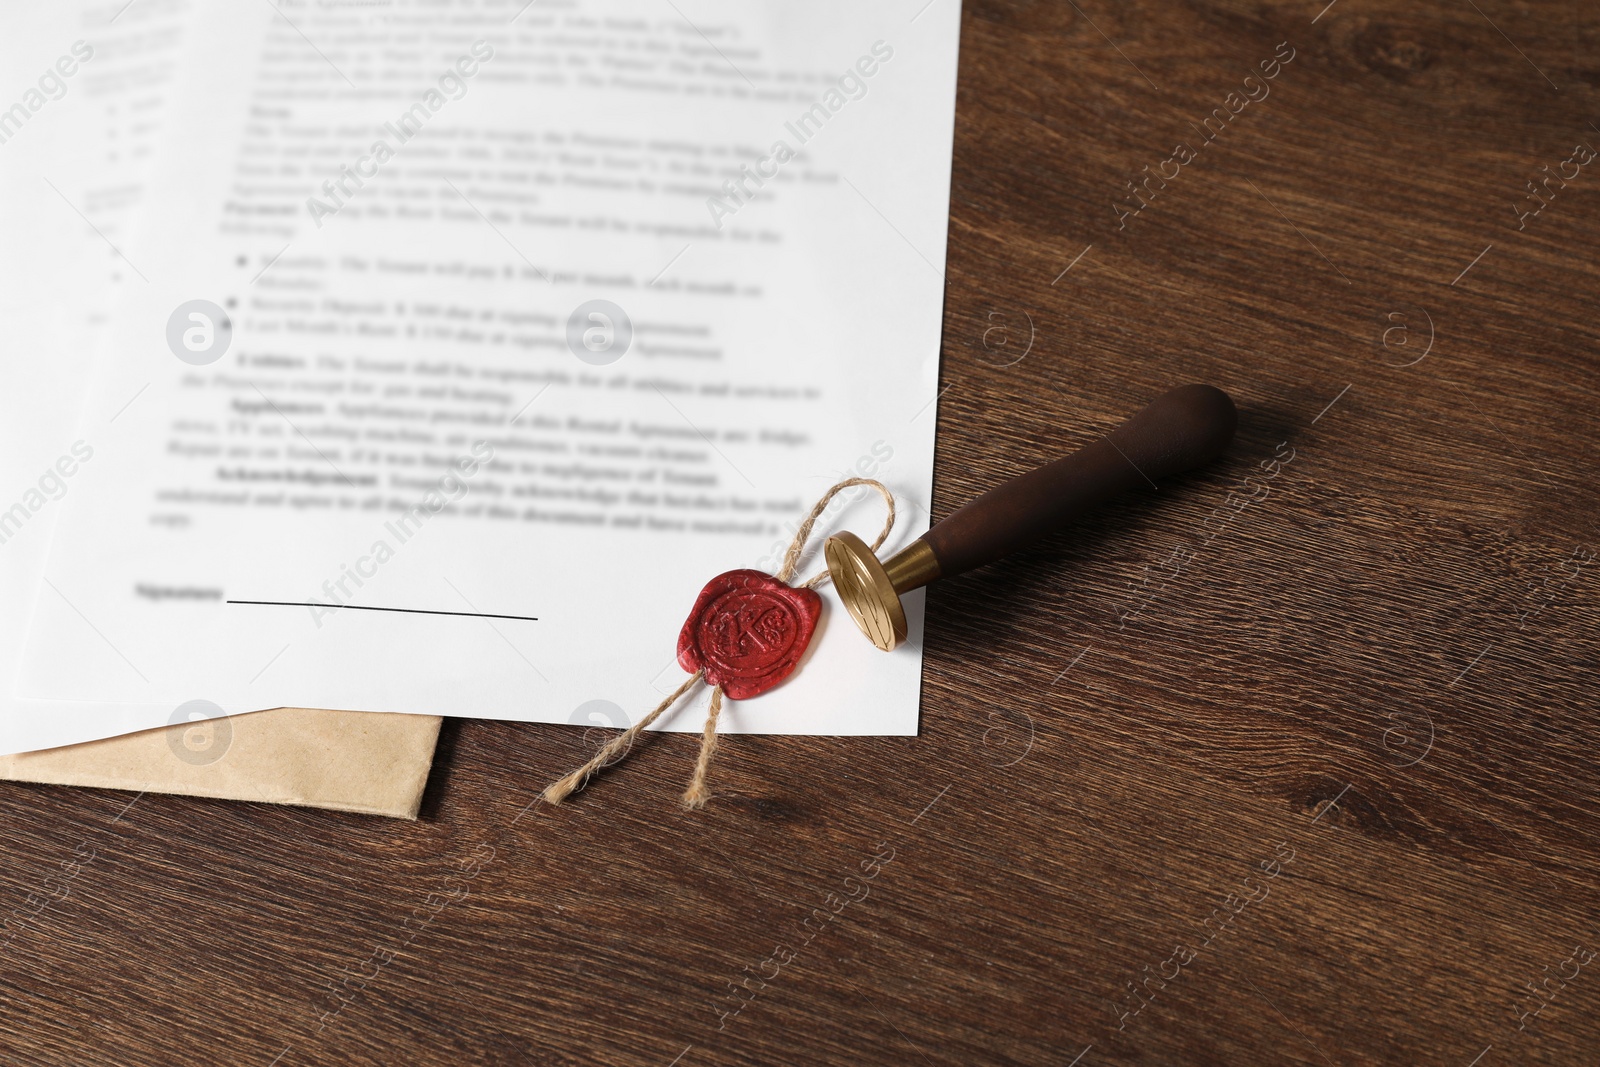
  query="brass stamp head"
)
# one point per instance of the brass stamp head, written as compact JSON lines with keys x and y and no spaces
{"x":864,"y":586}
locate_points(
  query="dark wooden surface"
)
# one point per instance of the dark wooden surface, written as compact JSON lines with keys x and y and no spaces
{"x":1376,"y":656}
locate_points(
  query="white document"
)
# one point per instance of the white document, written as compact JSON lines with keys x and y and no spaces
{"x":80,"y":110}
{"x":471,"y":343}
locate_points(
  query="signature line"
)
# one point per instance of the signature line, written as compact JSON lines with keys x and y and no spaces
{"x":366,"y":607}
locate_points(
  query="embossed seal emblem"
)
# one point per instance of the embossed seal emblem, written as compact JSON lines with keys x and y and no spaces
{"x":748,"y":631}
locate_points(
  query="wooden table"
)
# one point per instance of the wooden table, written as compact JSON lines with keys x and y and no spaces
{"x":1292,"y":761}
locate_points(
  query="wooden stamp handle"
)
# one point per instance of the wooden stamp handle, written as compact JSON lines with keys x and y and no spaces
{"x":1180,"y":430}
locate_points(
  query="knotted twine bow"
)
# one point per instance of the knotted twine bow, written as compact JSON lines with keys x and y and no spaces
{"x":697,"y":794}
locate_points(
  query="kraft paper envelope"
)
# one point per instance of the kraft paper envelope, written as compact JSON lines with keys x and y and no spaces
{"x":376,"y":764}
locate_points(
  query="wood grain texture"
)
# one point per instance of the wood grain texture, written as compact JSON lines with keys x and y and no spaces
{"x":1366,"y":639}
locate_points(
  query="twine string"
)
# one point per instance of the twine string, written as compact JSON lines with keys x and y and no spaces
{"x":697,"y":794}
{"x":791,"y":558}
{"x":560,"y":790}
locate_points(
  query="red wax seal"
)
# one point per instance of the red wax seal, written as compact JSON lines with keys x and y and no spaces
{"x":748,"y":631}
